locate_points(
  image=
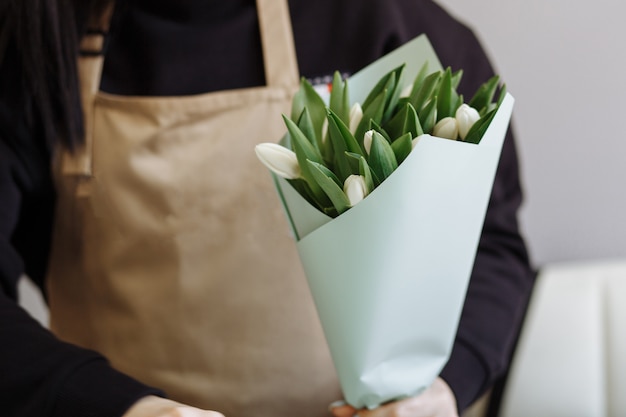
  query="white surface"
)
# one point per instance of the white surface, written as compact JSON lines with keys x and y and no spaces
{"x":563,"y":60}
{"x":570,"y":360}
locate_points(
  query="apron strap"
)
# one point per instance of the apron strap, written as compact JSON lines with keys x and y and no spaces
{"x":281,"y":69}
{"x":90,"y":64}
{"x":281,"y":64}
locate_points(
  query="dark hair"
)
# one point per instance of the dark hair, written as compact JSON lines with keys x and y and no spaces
{"x":41,"y":39}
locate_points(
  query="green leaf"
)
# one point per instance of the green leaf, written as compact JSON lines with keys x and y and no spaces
{"x":422,"y":96}
{"x":405,"y":120}
{"x":307,"y":97}
{"x":329,"y":174}
{"x":459,"y":101}
{"x":333,"y":191}
{"x":382,"y":160}
{"x":402,"y":147}
{"x":502,"y":95}
{"x":303,"y":188}
{"x":375,"y":126}
{"x":428,"y":115}
{"x":330,"y":211}
{"x":340,"y":127}
{"x":419,"y":79}
{"x":456,"y":78}
{"x":394,"y":92}
{"x":386,"y":83}
{"x":413,"y":123}
{"x":305,"y":151}
{"x":373,"y":112}
{"x":339,"y":98}
{"x":477,"y":131}
{"x":484,"y":94}
{"x":397,"y":125}
{"x":447,"y":97}
{"x":363,"y":169}
{"x":306,"y":126}
{"x":366,"y":172}
{"x":402,"y":101}
{"x":342,"y":141}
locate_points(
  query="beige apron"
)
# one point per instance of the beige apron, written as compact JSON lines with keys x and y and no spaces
{"x":172,"y":255}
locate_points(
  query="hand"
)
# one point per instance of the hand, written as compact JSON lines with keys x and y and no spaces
{"x":152,"y":406}
{"x":437,"y":401}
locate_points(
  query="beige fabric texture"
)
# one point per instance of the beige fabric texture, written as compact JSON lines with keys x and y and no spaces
{"x":172,"y":255}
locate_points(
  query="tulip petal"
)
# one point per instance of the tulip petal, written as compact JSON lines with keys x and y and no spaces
{"x":356,"y":115}
{"x":447,"y":128}
{"x":355,"y":189}
{"x":278,"y":159}
{"x":466,"y":116}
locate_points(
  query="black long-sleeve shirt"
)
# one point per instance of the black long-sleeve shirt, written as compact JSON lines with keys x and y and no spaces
{"x":160,"y":47}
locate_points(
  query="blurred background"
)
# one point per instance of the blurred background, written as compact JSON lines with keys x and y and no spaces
{"x":563,"y":60}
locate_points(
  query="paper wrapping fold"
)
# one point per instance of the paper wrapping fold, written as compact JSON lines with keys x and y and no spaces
{"x":389,"y":276}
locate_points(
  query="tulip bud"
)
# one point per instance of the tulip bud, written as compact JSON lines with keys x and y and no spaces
{"x":446,"y":128}
{"x":417,"y":139}
{"x":466,"y":116}
{"x":355,"y":189}
{"x":278,"y":159}
{"x":324,"y":130}
{"x":367,"y":140}
{"x":406,"y":91}
{"x":356,"y":114}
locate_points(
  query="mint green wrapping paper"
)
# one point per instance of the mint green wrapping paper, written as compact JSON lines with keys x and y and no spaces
{"x":389,"y":276}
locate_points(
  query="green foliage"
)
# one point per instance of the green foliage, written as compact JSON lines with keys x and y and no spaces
{"x":328,"y":152}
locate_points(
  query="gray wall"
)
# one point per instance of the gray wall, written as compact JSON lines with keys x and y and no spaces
{"x":563,"y":60}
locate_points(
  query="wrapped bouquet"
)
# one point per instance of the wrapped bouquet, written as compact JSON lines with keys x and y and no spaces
{"x":386,"y":188}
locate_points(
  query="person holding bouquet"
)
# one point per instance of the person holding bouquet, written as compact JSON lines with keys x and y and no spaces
{"x":130,"y":194}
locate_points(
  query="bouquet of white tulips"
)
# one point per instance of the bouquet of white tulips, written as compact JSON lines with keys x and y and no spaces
{"x":388,"y":275}
{"x":334,"y":155}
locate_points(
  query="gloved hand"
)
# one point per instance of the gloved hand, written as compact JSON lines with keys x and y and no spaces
{"x":152,"y":406}
{"x":437,"y":401}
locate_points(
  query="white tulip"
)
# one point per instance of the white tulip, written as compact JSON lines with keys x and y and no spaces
{"x":466,"y":116}
{"x":367,"y":140}
{"x":406,"y":92}
{"x":447,"y":128}
{"x":278,"y":159}
{"x":355,"y":188}
{"x":356,"y":114}
{"x":324,"y":130}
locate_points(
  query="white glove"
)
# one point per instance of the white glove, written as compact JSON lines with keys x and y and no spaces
{"x":153,"y":406}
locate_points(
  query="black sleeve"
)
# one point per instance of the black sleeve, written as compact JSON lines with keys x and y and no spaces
{"x":498,"y":292}
{"x":40,"y":376}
